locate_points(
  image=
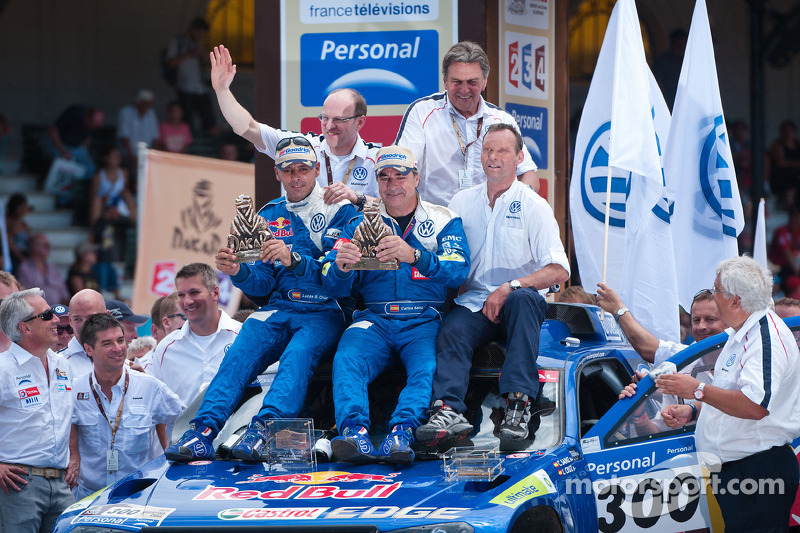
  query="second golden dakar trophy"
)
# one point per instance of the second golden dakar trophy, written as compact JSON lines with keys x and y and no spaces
{"x":248,"y":232}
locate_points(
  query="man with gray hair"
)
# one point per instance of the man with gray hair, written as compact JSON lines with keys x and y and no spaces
{"x":37,"y":466}
{"x":445,"y":130}
{"x":752,"y":407}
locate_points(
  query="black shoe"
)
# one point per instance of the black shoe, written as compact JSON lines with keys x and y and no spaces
{"x":445,"y":424}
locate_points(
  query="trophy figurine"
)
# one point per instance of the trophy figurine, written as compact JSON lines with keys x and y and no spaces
{"x":249,"y":231}
{"x":367,"y":236}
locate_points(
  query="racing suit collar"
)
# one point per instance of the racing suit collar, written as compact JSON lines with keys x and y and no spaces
{"x":420,"y":214}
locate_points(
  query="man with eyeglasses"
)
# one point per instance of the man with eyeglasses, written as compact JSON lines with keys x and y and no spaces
{"x":65,"y":332}
{"x":445,"y":130}
{"x":403,"y":309}
{"x":37,"y":466}
{"x":347,"y":161}
{"x":749,"y":414}
{"x":84,"y":303}
{"x":300,"y":323}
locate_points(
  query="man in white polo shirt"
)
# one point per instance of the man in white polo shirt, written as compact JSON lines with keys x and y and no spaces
{"x":36,"y":464}
{"x":116,"y":409}
{"x":517,"y":255}
{"x":445,"y":130}
{"x":83,"y":304}
{"x":750,"y":413}
{"x":188,"y":359}
{"x":348,"y":163}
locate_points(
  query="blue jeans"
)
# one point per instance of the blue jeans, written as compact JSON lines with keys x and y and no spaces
{"x":36,"y":507}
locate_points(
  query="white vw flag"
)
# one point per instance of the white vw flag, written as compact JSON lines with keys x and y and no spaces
{"x":625,"y":121}
{"x":699,"y":168}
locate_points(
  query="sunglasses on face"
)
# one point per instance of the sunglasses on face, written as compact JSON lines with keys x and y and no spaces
{"x":47,"y":316}
{"x":301,"y":141}
{"x":62,"y":329}
{"x":183,"y":317}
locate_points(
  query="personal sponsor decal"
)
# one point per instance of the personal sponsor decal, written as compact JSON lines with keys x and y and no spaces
{"x":300,"y":492}
{"x":281,"y":227}
{"x":532,"y":122}
{"x":123,"y":513}
{"x":621,"y":466}
{"x":23,"y":380}
{"x":534,"y":485}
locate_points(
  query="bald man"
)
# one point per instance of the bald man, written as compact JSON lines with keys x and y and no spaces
{"x":84,"y":303}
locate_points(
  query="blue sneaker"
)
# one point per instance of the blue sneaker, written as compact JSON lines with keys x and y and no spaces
{"x":396,"y":449}
{"x":195,"y":444}
{"x":252,"y":443}
{"x":354,"y":446}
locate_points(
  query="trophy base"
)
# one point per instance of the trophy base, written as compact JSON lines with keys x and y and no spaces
{"x":247,"y":256}
{"x":372,"y":263}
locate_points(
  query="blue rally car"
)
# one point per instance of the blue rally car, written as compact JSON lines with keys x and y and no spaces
{"x":595,"y":463}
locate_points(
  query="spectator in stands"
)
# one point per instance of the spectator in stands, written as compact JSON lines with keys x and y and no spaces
{"x":111,"y":197}
{"x":576,"y":295}
{"x":742,"y":156}
{"x":129,"y":320}
{"x":81,"y":273}
{"x":188,"y":359}
{"x":65,"y":331}
{"x":784,"y":252}
{"x":17,"y":229}
{"x":87,"y":302}
{"x":71,"y":135}
{"x":174,"y":134}
{"x":105,"y":271}
{"x":785,"y":157}
{"x":186,"y":53}
{"x":38,"y":271}
{"x":139,"y":401}
{"x":136,"y":123}
{"x":5,"y":133}
{"x":8,"y":285}
{"x":229,"y":151}
{"x":787,"y":307}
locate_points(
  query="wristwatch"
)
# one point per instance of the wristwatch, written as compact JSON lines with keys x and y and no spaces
{"x":417,"y":256}
{"x":621,"y":311}
{"x":699,"y":392}
{"x":360,"y":201}
{"x":296,"y":258}
{"x":515,"y":284}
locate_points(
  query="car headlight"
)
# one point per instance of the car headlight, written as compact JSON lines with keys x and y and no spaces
{"x":450,"y":527}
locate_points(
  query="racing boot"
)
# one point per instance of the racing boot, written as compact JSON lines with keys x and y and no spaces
{"x":252,"y":443}
{"x":195,"y":444}
{"x":518,"y":414}
{"x":445,"y":425}
{"x":396,"y":449}
{"x":354,"y":446}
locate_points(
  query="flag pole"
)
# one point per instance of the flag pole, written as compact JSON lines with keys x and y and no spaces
{"x":608,"y":216}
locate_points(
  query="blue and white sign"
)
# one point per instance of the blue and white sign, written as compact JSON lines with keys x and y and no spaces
{"x":532,"y":123}
{"x":391,"y":67}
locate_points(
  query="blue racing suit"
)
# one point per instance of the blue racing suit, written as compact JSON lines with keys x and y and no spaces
{"x":300,"y":324}
{"x":402,"y":316}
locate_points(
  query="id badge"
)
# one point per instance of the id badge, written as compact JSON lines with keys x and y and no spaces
{"x":464,"y":179}
{"x":112,"y":460}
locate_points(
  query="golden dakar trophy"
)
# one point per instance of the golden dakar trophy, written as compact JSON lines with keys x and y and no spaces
{"x":367,"y":236}
{"x":249,"y":231}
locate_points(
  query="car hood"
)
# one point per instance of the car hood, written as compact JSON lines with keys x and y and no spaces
{"x":203,"y":493}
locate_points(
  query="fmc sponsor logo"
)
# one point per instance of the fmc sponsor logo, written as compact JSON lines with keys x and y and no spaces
{"x":391,"y":67}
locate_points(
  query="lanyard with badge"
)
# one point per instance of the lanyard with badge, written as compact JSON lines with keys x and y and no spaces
{"x":330,"y":172}
{"x":112,"y":457}
{"x":464,"y":177}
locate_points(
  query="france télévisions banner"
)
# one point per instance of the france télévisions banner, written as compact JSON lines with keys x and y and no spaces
{"x":527,"y":33}
{"x":186,"y":205}
{"x":388,"y":50}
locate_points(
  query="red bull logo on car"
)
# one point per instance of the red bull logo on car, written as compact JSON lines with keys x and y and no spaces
{"x":299,"y":492}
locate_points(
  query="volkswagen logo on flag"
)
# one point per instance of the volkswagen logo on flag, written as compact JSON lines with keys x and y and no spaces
{"x":717,"y":176}
{"x":594,"y":180}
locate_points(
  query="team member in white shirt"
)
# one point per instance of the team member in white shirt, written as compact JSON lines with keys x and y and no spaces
{"x":188,"y":359}
{"x":116,"y":409}
{"x":83,"y":304}
{"x":348,"y":163}
{"x":445,"y":130}
{"x":750,"y":413}
{"x":36,"y":465}
{"x":516,"y":253}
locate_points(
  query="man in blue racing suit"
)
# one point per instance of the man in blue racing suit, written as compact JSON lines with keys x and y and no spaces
{"x":300,"y":324}
{"x":403,"y":309}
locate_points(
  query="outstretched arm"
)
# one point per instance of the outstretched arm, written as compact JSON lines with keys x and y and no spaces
{"x":644,"y":342}
{"x":222,"y":73}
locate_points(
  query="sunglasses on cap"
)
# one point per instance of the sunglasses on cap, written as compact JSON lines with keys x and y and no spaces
{"x":299,"y":140}
{"x":44,"y":315}
{"x":62,"y":329}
